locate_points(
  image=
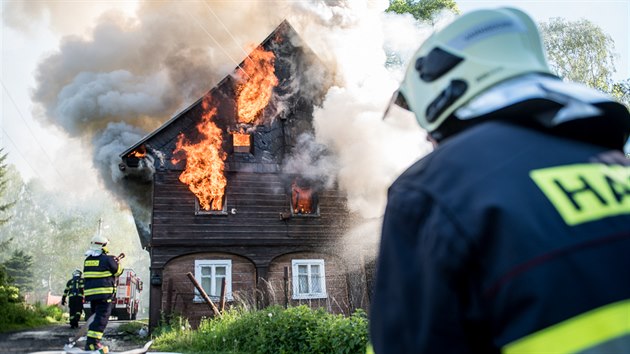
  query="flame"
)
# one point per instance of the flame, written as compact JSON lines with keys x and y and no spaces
{"x":204,"y":162}
{"x":140,"y":152}
{"x":258,"y":79}
{"x":241,"y":139}
{"x":302,"y":198}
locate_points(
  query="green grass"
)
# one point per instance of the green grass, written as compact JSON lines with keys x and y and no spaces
{"x":17,"y":316}
{"x":271,"y":330}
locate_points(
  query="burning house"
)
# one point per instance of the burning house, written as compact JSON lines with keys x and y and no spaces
{"x":227,"y":207}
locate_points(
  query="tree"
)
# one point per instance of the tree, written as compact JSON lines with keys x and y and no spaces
{"x":621,"y":91}
{"x":20,"y":268}
{"x":422,"y":10}
{"x":3,"y":187}
{"x":580,"y":51}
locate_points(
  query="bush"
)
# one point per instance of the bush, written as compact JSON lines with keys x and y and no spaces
{"x":9,"y":294}
{"x":16,"y":316}
{"x":271,"y":330}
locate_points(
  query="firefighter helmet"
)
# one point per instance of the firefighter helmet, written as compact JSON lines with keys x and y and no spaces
{"x":77,"y":273}
{"x":98,"y":242}
{"x":475,"y":52}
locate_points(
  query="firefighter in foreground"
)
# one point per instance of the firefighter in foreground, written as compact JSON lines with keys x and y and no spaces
{"x":74,"y":294}
{"x":100,"y":271}
{"x":513,"y":235}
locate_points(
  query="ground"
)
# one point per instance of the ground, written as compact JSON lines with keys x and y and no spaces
{"x":54,"y":337}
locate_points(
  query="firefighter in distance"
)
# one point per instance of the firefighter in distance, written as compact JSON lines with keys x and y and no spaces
{"x":74,"y":296}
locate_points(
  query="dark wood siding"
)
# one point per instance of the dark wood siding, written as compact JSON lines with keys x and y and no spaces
{"x":258,"y":200}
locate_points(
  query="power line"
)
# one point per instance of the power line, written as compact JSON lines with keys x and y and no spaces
{"x":21,"y":155}
{"x":29,"y":129}
{"x":226,"y":29}
{"x":217,"y":43}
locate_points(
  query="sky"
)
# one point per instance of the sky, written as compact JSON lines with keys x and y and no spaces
{"x":38,"y":38}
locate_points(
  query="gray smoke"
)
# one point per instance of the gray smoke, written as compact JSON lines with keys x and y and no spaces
{"x":127,"y":75}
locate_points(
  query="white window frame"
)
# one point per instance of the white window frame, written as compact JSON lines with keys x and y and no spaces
{"x":295,"y":263}
{"x":227,"y":263}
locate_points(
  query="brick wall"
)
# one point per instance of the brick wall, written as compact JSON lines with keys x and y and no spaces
{"x":178,"y":291}
{"x":336,"y":283}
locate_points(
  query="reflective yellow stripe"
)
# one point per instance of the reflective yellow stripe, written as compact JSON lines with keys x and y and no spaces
{"x":586,"y":192}
{"x":102,"y":274}
{"x":98,"y":291}
{"x":577,"y":333}
{"x":118,"y":271}
{"x":95,"y":334}
{"x":91,"y":263}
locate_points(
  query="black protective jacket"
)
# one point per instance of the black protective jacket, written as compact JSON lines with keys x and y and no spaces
{"x":505,"y":239}
{"x":74,"y":287}
{"x":100,"y":274}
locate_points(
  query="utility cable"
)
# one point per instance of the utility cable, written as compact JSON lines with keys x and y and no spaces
{"x":29,"y":129}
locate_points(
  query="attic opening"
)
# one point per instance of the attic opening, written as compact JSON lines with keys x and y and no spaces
{"x":304,"y":201}
{"x":133,"y":158}
{"x":242,"y":142}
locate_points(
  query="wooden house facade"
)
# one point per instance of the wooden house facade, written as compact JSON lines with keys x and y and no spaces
{"x":275,"y":238}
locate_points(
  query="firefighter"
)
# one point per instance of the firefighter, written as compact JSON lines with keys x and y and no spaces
{"x":100,"y":271}
{"x":513,"y":234}
{"x":74,"y":295}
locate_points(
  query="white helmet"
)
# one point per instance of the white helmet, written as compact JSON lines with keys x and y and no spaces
{"x":77,"y":273}
{"x":98,"y":242}
{"x":475,"y":52}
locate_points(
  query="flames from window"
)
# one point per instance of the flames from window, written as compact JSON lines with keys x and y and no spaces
{"x":204,"y":172}
{"x":140,"y":152}
{"x":301,"y":198}
{"x":241,"y":139}
{"x":258,"y":79}
{"x":204,"y":161}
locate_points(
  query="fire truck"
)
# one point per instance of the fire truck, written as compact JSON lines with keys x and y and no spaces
{"x":126,"y":304}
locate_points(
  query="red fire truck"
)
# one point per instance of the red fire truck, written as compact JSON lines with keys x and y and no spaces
{"x":127,"y":296}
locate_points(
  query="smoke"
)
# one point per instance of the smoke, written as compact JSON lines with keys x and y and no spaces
{"x":312,"y":161}
{"x":126,"y":75}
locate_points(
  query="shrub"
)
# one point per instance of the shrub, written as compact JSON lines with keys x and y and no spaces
{"x":19,"y":315}
{"x":272,"y":330}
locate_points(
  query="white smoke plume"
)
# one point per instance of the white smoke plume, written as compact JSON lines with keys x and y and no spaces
{"x":129,"y":74}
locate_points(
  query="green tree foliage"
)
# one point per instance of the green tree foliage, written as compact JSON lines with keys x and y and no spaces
{"x":422,"y":10}
{"x":621,"y":91}
{"x":580,"y":51}
{"x":20,"y":268}
{"x":4,"y":207}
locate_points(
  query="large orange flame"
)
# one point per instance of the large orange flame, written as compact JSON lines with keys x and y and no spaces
{"x":204,"y":161}
{"x":258,"y":79}
{"x":301,"y":198}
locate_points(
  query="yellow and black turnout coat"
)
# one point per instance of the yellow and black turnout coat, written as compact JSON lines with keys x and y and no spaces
{"x":100,"y":274}
{"x":74,"y":287}
{"x":506,"y":239}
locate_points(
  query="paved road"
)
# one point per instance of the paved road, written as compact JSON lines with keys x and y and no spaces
{"x":54,"y":337}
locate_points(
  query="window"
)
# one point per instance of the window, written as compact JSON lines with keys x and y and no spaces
{"x":200,"y":211}
{"x":210,"y":274}
{"x":242,"y":142}
{"x":303,"y":199}
{"x":309,"y":279}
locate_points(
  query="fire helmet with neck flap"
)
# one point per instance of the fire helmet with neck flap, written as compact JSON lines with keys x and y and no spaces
{"x":98,"y":242}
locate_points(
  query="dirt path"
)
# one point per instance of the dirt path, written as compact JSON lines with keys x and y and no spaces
{"x":55,"y":336}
